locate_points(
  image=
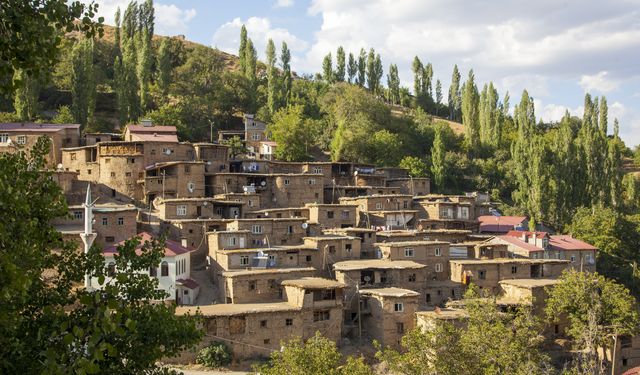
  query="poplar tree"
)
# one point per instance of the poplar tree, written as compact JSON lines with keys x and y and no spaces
{"x":490,"y":131}
{"x":454,"y":99}
{"x":25,"y":100}
{"x":117,"y":31}
{"x":562,"y":173}
{"x":144,"y":68}
{"x":614,"y":165}
{"x":271,"y":78}
{"x":130,"y":22}
{"x":371,"y":66}
{"x":393,"y":83}
{"x":427,"y":76}
{"x":127,"y":83}
{"x":438,"y":159}
{"x":251,"y":61}
{"x":524,"y":117}
{"x":418,"y":75}
{"x":340,"y":65}
{"x":352,"y":69}
{"x":470,"y":114}
{"x":378,"y":74}
{"x":327,"y":69}
{"x":147,"y":19}
{"x":438,"y":95}
{"x":362,"y":67}
{"x":287,"y":81}
{"x":83,"y":89}
{"x":164,"y":66}
{"x":242,"y":50}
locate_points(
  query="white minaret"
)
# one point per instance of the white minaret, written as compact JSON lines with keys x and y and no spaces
{"x":88,"y":236}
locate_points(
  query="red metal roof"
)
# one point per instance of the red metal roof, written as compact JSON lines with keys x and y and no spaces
{"x":499,"y":224}
{"x":566,"y":242}
{"x":155,"y":137}
{"x":171,"y":248}
{"x":519,"y":233}
{"x":516,"y":241}
{"x":632,"y":371}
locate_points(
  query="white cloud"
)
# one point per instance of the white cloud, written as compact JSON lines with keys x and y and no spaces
{"x":597,"y":82}
{"x":259,"y":30}
{"x":171,"y":20}
{"x":284,"y":3}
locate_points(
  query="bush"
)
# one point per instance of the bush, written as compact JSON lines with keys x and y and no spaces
{"x":217,"y":354}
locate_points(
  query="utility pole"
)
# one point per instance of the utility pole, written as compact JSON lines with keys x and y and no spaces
{"x":359,"y":313}
{"x":163,"y":179}
{"x":211,"y":130}
{"x":88,"y":236}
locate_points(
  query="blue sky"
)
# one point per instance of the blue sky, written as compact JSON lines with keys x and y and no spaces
{"x":558,"y":50}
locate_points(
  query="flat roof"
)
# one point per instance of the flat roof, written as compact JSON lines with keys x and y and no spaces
{"x":390,"y":292}
{"x":510,"y":260}
{"x":267,"y":250}
{"x":376,"y":196}
{"x":349,"y":229}
{"x":410,"y":243}
{"x":230,"y":309}
{"x":530,"y":283}
{"x":361,"y":264}
{"x":266,"y":271}
{"x":212,"y":200}
{"x":313,"y":283}
{"x":444,"y":314}
{"x":329,"y":238}
{"x":106,"y":207}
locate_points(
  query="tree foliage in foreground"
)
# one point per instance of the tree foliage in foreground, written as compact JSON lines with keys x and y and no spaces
{"x":488,"y":341}
{"x":317,"y":356}
{"x":597,"y":310}
{"x":48,"y":324}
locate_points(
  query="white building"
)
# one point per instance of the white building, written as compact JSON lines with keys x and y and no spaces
{"x":173,"y":272}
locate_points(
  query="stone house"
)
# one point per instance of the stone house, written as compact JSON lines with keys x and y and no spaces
{"x":258,"y":285}
{"x":368,"y":239}
{"x":414,"y":186}
{"x":215,"y":156}
{"x":433,"y":254}
{"x":334,"y":248}
{"x":23,"y":136}
{"x":177,"y":179}
{"x":147,"y":132}
{"x":445,"y":212}
{"x":332,"y":215}
{"x":388,"y":313}
{"x":266,"y":232}
{"x":250,"y":201}
{"x":197,"y":208}
{"x":255,"y":131}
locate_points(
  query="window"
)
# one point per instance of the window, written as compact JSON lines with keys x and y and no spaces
{"x":321,"y":315}
{"x":288,"y":322}
{"x":120,"y":221}
{"x":72,"y":155}
{"x":345,"y":214}
{"x":329,"y":214}
{"x":88,"y":171}
{"x":181,"y":210}
{"x":412,"y":278}
{"x":378,"y":206}
{"x":482,"y":274}
{"x":105,"y":221}
{"x":21,"y":140}
{"x":317,"y":170}
{"x":187,"y":169}
{"x":573,"y":258}
{"x":140,"y":175}
{"x":153,"y":151}
{"x":266,"y":341}
{"x":256,"y":229}
{"x":312,"y":181}
{"x":438,"y":267}
{"x":4,"y":138}
{"x":438,"y":252}
{"x":255,"y":136}
{"x":250,"y":202}
{"x":109,"y":239}
{"x":405,"y":204}
{"x":514,"y":269}
{"x":77,"y":215}
{"x":231,"y":241}
{"x":428,"y":298}
{"x":408,"y":252}
{"x":111,"y":269}
{"x":164,"y":269}
{"x":286,"y":181}
{"x":113,"y":174}
{"x":253,"y":285}
{"x":127,"y":174}
{"x":400,"y":328}
{"x":464,"y":212}
{"x":244,"y":260}
{"x":347,"y":247}
{"x":398,"y":307}
{"x":132,"y":160}
{"x":153,"y":271}
{"x":290,"y":229}
{"x":332,"y":249}
{"x":191,"y":187}
{"x":308,"y":258}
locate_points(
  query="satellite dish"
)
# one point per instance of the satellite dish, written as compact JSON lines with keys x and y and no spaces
{"x":60,"y":167}
{"x":367,"y":278}
{"x":355,"y":173}
{"x":305,"y":225}
{"x":263,"y":183}
{"x":167,"y":151}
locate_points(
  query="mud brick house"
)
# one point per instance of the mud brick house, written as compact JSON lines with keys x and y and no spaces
{"x":23,"y":136}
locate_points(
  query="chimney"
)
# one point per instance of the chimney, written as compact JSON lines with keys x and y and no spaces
{"x":535,"y":238}
{"x":146,"y":122}
{"x":525,"y":237}
{"x":183,"y":242}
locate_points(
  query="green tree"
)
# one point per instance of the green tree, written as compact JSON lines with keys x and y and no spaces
{"x":352,"y":69}
{"x":427,"y":86}
{"x":45,"y":317}
{"x":393,"y":83}
{"x":385,"y":148}
{"x":488,"y":342}
{"x":362,"y":67}
{"x":327,"y":69}
{"x":597,"y":309}
{"x":251,"y":63}
{"x":236,"y":147}
{"x":242,"y":50}
{"x":285,"y":58}
{"x":83,"y":89}
{"x":164,"y":66}
{"x":455,"y":100}
{"x":471,"y":114}
{"x":292,"y":132}
{"x":438,"y":95}
{"x":415,"y":166}
{"x":490,"y":131}
{"x":272,"y":79}
{"x":418,"y":75}
{"x":32,"y":31}
{"x":438,"y":152}
{"x":64,"y":116}
{"x":25,"y":99}
{"x":127,"y":83}
{"x":340,"y":65}
{"x":317,"y":356}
